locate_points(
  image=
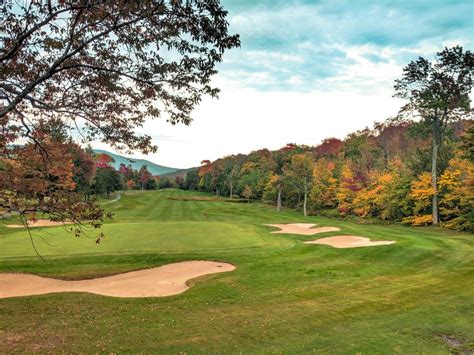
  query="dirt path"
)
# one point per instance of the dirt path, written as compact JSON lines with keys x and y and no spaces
{"x":160,"y":281}
{"x":117,"y":198}
{"x":348,"y":241}
{"x":301,"y":228}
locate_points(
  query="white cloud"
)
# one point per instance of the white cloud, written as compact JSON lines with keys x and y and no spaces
{"x":295,"y":80}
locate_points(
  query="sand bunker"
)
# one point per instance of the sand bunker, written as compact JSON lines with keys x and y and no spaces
{"x":301,"y":228}
{"x":160,"y":281}
{"x":38,"y":223}
{"x":348,"y":241}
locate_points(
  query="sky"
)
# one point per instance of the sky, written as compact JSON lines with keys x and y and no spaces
{"x":309,"y":70}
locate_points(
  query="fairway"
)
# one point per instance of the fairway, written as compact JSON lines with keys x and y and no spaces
{"x":284,"y":295}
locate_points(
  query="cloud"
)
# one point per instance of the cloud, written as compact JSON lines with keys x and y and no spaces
{"x":309,"y":70}
{"x":315,"y":40}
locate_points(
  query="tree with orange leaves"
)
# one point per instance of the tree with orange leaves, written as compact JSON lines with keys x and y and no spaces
{"x":347,"y":190}
{"x":38,"y":180}
{"x":204,"y":175}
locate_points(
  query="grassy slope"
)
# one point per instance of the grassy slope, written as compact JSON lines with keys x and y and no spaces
{"x":283,"y":296}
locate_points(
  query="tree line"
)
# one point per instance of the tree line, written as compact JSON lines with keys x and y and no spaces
{"x":382,"y":173}
{"x":410,"y":168}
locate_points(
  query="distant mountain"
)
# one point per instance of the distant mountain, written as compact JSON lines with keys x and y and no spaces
{"x":136,"y":164}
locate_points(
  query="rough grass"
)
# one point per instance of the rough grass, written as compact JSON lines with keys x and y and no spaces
{"x":415,"y":296}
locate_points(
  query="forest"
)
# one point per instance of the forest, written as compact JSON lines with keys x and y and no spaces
{"x":373,"y":175}
{"x":381,"y":173}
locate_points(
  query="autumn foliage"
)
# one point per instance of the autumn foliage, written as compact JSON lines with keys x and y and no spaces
{"x":43,"y":180}
{"x":374,"y":174}
{"x":98,"y":69}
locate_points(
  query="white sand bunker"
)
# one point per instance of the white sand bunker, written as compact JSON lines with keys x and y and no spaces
{"x":301,"y":228}
{"x":348,"y":241}
{"x":38,"y":223}
{"x":160,"y":281}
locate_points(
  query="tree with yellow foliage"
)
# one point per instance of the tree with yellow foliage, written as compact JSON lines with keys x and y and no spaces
{"x":386,"y":194}
{"x":324,"y":190}
{"x":457,"y":187}
{"x":347,"y":190}
{"x":421,"y":193}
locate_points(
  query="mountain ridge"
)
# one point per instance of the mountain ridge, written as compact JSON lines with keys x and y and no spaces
{"x":136,"y":164}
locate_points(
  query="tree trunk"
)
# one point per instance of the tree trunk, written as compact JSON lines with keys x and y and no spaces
{"x":279,"y":199}
{"x":305,"y":197}
{"x":434,"y":180}
{"x":231,"y":189}
{"x":217,"y":191}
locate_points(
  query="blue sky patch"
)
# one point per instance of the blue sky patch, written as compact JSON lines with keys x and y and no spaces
{"x":306,"y":45}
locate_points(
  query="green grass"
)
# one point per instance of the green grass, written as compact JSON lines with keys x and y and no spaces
{"x":284,"y":296}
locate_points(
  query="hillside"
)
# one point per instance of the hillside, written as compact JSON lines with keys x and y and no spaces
{"x":180,"y":172}
{"x":136,"y":164}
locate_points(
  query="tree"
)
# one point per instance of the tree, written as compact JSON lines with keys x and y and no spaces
{"x":249,"y":176}
{"x":217,"y":177}
{"x":232,"y":177}
{"x":83,"y":168}
{"x":55,"y":131}
{"x":330,"y":147}
{"x":191,"y":180}
{"x":29,"y":187}
{"x":103,"y":160}
{"x":273,"y":190}
{"x":457,"y":194}
{"x":282,"y":159}
{"x":103,"y":66}
{"x":439,"y":93}
{"x":384,"y":196}
{"x":392,"y":136}
{"x":349,"y":185}
{"x":152,"y":184}
{"x":106,"y":180}
{"x":421,"y":193}
{"x":126,"y":171}
{"x":108,"y":63}
{"x":323,"y":192}
{"x":299,"y":176}
{"x":144,"y":176}
{"x":468,"y":142}
{"x":373,"y":173}
{"x":130,"y":184}
{"x":165,"y":183}
{"x":179,"y":182}
{"x":204,"y":175}
{"x":361,"y":148}
{"x":247,"y":192}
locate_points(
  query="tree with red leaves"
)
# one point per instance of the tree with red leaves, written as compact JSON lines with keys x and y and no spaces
{"x":101,"y":68}
{"x":330,"y":147}
{"x":103,"y":160}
